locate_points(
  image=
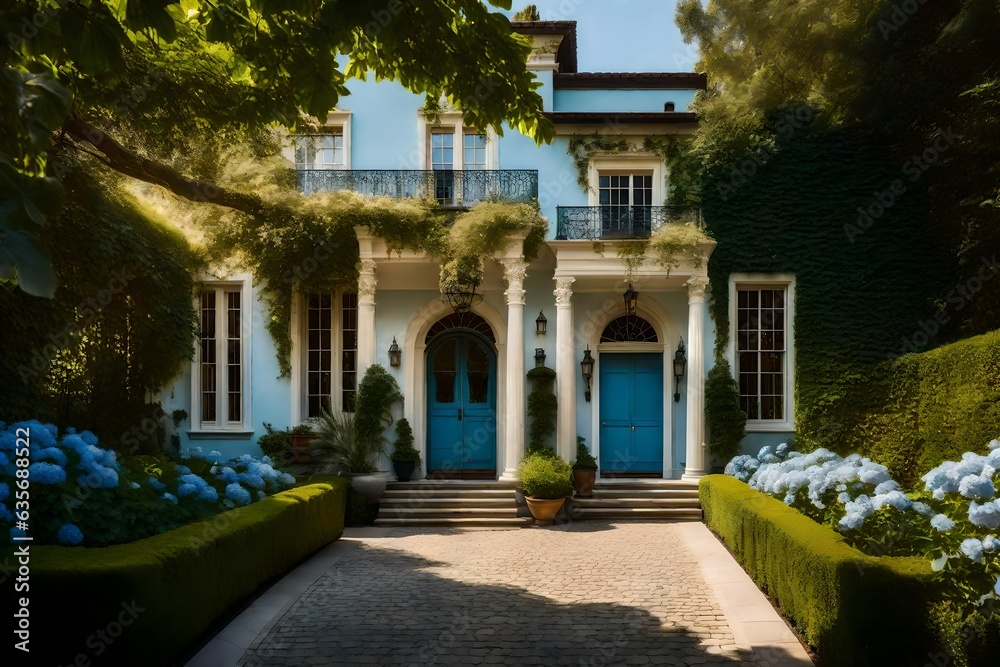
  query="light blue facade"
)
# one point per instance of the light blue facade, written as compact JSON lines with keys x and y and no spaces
{"x":388,"y":132}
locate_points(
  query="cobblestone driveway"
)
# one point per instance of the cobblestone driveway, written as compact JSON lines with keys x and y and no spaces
{"x":589,"y":593}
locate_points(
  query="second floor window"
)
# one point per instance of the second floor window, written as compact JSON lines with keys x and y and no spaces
{"x":474,"y":156}
{"x":625,"y":199}
{"x":320,"y":151}
{"x":442,"y":150}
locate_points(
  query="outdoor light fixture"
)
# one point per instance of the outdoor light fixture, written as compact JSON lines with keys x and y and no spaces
{"x":679,"y":362}
{"x":631,"y":300}
{"x":541,"y":324}
{"x":587,"y":367}
{"x":394,"y":353}
{"x":462,"y":297}
{"x":539,"y":357}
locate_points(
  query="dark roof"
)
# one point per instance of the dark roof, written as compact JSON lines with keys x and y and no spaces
{"x":567,"y":49}
{"x":616,"y":118}
{"x":631,"y":80}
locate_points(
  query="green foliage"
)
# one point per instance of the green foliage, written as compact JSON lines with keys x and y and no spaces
{"x":585,"y":461}
{"x":275,"y":444}
{"x":855,"y":609}
{"x":726,"y":421}
{"x":377,"y":393}
{"x":337,"y":449}
{"x":403,"y":450}
{"x":546,"y":477}
{"x":183,"y":580}
{"x":542,"y":410}
{"x":529,"y":13}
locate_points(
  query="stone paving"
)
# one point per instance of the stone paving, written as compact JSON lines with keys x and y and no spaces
{"x":589,"y":593}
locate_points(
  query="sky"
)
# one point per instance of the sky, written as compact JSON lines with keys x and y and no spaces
{"x":602,"y":25}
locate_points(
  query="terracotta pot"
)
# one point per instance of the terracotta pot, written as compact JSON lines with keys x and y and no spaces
{"x":543,"y":510}
{"x":370,"y":486}
{"x":300,"y":447}
{"x":583,"y":483}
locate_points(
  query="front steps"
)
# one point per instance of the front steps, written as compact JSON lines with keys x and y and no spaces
{"x":640,"y":500}
{"x":461,"y":504}
{"x":457,"y":504}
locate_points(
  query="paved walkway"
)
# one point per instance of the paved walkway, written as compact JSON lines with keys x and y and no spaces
{"x":590,"y":593}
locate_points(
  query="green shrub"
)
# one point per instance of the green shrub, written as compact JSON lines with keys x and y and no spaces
{"x":545,"y":477}
{"x":726,"y":420}
{"x":275,"y":444}
{"x":856,"y":610}
{"x":542,"y":409}
{"x":376,"y":395}
{"x":179,"y":583}
{"x":337,"y":449}
{"x":584,"y":459}
{"x":403,"y":450}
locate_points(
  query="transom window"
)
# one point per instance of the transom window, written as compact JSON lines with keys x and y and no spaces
{"x":627,"y":329}
{"x":469,"y":321}
{"x":320,"y":151}
{"x":220,"y":398}
{"x":331,"y":323}
{"x":760,"y":351}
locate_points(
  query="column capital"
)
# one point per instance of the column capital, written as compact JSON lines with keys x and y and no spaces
{"x":564,"y":291}
{"x":696,"y":288}
{"x":367,"y":281}
{"x":514,"y":271}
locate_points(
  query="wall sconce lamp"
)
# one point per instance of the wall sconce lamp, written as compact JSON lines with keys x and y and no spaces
{"x":631,"y":301}
{"x":587,"y":368}
{"x":679,"y":362}
{"x":541,"y":324}
{"x":539,"y":357}
{"x":394,"y":353}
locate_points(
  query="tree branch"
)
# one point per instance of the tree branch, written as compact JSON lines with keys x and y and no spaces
{"x":123,"y":160}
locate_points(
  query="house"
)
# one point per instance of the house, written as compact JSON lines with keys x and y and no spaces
{"x":630,"y":346}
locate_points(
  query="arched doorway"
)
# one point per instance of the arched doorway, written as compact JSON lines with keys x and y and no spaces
{"x":631,"y":399}
{"x":461,"y":398}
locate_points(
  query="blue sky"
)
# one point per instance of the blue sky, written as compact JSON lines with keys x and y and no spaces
{"x":645,"y":30}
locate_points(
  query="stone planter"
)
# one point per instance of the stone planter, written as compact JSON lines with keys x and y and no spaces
{"x":544,"y":510}
{"x":583,"y":483}
{"x":300,"y":447}
{"x":370,"y":486}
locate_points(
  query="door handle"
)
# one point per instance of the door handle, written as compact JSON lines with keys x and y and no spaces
{"x":633,"y":427}
{"x":460,"y":414}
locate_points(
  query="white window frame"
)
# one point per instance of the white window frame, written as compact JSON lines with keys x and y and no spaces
{"x":739,"y":281}
{"x":206,"y":430}
{"x":618,"y":164}
{"x":453,"y":123}
{"x":300,"y":354}
{"x":337,"y":121}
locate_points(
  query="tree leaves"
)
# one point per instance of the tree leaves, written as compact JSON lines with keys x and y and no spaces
{"x":34,"y":271}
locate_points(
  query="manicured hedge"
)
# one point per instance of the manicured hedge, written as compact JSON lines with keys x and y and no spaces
{"x":182,"y":580}
{"x":855,"y":610}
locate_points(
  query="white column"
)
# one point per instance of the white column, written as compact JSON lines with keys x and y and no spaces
{"x":565,"y":369}
{"x":366,"y":316}
{"x":514,"y":273}
{"x":695,"y":466}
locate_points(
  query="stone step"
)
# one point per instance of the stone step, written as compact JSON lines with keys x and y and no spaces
{"x":462,"y":522}
{"x":446,"y":512}
{"x":472,"y":494}
{"x":646,"y":484}
{"x":448,"y":485}
{"x":645,"y":493}
{"x":421,"y":502}
{"x":637,"y":513}
{"x":691,"y":503}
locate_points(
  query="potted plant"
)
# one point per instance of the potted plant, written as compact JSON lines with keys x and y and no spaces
{"x":405,"y":457}
{"x":276,"y":444}
{"x":299,"y":440}
{"x":336,"y":450}
{"x":547,"y":482}
{"x":584,"y":470}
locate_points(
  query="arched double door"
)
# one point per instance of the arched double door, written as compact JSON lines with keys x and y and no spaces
{"x":461,"y":406}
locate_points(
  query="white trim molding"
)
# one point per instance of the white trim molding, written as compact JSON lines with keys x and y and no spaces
{"x":765,"y":280}
{"x":626,"y":163}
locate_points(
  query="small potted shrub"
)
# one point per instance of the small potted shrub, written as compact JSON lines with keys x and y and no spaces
{"x":584,"y":470}
{"x":547,"y":482}
{"x":276,"y":444}
{"x":336,"y":450}
{"x":300,"y":438}
{"x":405,"y":458}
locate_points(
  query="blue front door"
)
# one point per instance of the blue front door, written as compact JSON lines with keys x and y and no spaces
{"x":631,"y":413}
{"x":461,"y":389}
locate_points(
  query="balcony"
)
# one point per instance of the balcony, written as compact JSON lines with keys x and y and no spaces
{"x":607,"y":223}
{"x":449,"y":188}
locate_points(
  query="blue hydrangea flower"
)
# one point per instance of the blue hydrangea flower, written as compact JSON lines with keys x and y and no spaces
{"x":977,"y":487}
{"x":994,"y":444}
{"x":286,"y":479}
{"x":238,"y":494}
{"x":851,"y":521}
{"x":986,"y":515}
{"x":3,"y":460}
{"x":923,"y":509}
{"x":89,"y":438}
{"x":156,"y":484}
{"x":46,"y":473}
{"x":4,"y":491}
{"x":5,"y":514}
{"x":135,"y":485}
{"x":208,"y":494}
{"x":991,"y":543}
{"x":69,"y":534}
{"x":942,"y":523}
{"x":261,"y":495}
{"x":973,"y":549}
{"x":171,"y":497}
{"x":185,"y":490}
{"x":182,"y":470}
{"x":53,"y":454}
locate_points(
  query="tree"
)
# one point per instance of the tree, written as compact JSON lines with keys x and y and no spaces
{"x":529,"y":13}
{"x":158,"y":90}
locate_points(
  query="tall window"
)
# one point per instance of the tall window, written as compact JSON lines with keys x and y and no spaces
{"x":331,"y":323}
{"x":320,"y":151}
{"x":760,"y":351}
{"x":474,"y":156}
{"x":443,"y":160}
{"x":221,"y":358}
{"x":625,"y":199}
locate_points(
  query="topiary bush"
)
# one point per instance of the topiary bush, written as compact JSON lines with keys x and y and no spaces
{"x":403,"y":450}
{"x":545,"y":477}
{"x":726,"y":420}
{"x":585,"y":461}
{"x":377,"y":393}
{"x":542,"y":409}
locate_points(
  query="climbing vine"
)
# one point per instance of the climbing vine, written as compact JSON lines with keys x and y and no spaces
{"x":542,"y":409}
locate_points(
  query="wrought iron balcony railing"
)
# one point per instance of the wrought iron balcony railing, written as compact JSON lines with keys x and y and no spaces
{"x":619,"y":222}
{"x":450,"y":188}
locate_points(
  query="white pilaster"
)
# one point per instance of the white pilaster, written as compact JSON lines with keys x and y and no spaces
{"x":565,"y":369}
{"x":695,"y":466}
{"x":515,"y":270}
{"x":366,"y":316}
